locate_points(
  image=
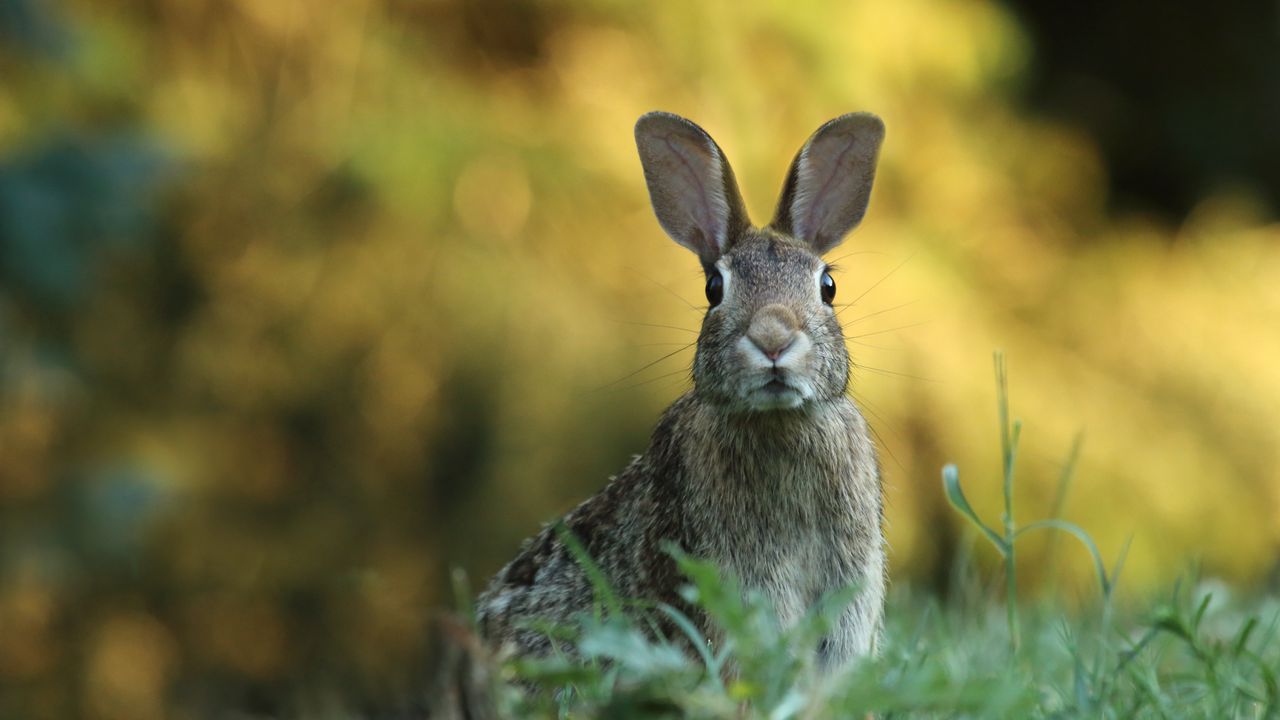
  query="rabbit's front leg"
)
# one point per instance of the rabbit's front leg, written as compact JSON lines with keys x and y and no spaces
{"x":857,"y":632}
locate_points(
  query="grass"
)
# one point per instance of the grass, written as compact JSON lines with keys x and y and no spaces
{"x":1200,"y":651}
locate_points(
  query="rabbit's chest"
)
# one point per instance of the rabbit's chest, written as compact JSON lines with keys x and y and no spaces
{"x":793,"y":534}
{"x":790,"y":505}
{"x":792,"y":570}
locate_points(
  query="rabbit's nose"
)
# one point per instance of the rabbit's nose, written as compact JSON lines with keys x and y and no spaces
{"x":773,"y":330}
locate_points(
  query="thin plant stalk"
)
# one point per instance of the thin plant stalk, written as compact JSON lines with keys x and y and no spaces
{"x":1006,"y":541}
{"x":1059,"y":504}
{"x":1008,"y":451}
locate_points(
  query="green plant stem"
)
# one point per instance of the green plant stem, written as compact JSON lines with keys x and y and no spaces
{"x":1008,"y":450}
{"x":1059,"y":503}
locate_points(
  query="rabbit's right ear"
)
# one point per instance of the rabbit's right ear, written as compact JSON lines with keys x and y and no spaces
{"x":691,"y":185}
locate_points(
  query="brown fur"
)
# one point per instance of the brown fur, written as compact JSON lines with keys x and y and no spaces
{"x":765,"y":467}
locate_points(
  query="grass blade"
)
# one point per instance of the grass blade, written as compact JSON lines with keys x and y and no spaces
{"x":1099,"y":568}
{"x":604,"y":591}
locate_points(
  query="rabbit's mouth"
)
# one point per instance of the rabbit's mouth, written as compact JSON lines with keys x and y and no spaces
{"x":777,"y":386}
{"x":776,"y":394}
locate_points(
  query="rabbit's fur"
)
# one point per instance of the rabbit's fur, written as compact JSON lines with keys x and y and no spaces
{"x":765,"y":467}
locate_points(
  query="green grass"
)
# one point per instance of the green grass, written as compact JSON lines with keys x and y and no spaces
{"x":1199,"y":652}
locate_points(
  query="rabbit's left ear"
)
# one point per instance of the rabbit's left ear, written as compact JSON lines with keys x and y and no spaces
{"x":829,"y":183}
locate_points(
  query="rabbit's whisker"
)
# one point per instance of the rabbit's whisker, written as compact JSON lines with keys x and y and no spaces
{"x":674,"y":294}
{"x":665,"y":327}
{"x":681,"y":371}
{"x":852,"y":254}
{"x":860,"y":318}
{"x":859,"y":343}
{"x":829,"y":339}
{"x":889,"y":330}
{"x":881,"y":420}
{"x":646,"y":367}
{"x":892,"y":373}
{"x":877,"y":283}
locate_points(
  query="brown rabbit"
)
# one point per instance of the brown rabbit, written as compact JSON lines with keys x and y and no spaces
{"x":765,"y":467}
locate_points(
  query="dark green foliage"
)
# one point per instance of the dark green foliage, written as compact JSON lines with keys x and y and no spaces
{"x":63,"y":206}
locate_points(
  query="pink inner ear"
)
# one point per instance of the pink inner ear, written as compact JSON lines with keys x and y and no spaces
{"x":695,"y":194}
{"x":818,"y":203}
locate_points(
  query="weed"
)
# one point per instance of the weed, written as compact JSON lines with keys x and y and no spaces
{"x":1200,"y":652}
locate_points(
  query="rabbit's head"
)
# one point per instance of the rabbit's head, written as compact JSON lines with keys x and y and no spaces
{"x":770,"y":339}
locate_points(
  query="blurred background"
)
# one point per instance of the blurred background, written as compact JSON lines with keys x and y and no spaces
{"x":304,"y":304}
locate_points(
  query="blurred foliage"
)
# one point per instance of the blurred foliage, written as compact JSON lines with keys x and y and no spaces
{"x":301,"y":303}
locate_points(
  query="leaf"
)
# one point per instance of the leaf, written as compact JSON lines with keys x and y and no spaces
{"x":1084,"y":701}
{"x":951,"y":483}
{"x":790,"y":706}
{"x":630,"y":649}
{"x":594,"y":574}
{"x":719,"y":595}
{"x":1242,"y":639}
{"x":1167,"y":619}
{"x":1199,"y":616}
{"x":1065,"y":477}
{"x":1078,"y":533}
{"x":743,"y":690}
{"x":1120,"y":559}
{"x":696,"y":639}
{"x":554,"y":672}
{"x":1268,"y":681}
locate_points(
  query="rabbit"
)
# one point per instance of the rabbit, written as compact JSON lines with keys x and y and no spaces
{"x":765,"y":467}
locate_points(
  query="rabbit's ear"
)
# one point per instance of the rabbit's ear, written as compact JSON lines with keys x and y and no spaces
{"x":829,"y":184}
{"x":691,"y":185}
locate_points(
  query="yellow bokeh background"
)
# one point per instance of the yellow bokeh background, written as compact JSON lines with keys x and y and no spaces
{"x":421,"y":287}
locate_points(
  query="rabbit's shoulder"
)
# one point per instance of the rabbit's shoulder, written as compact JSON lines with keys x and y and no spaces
{"x":622,"y":529}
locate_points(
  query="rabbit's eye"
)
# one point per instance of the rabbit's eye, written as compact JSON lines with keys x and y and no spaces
{"x":715,"y":288}
{"x":827,"y":286}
